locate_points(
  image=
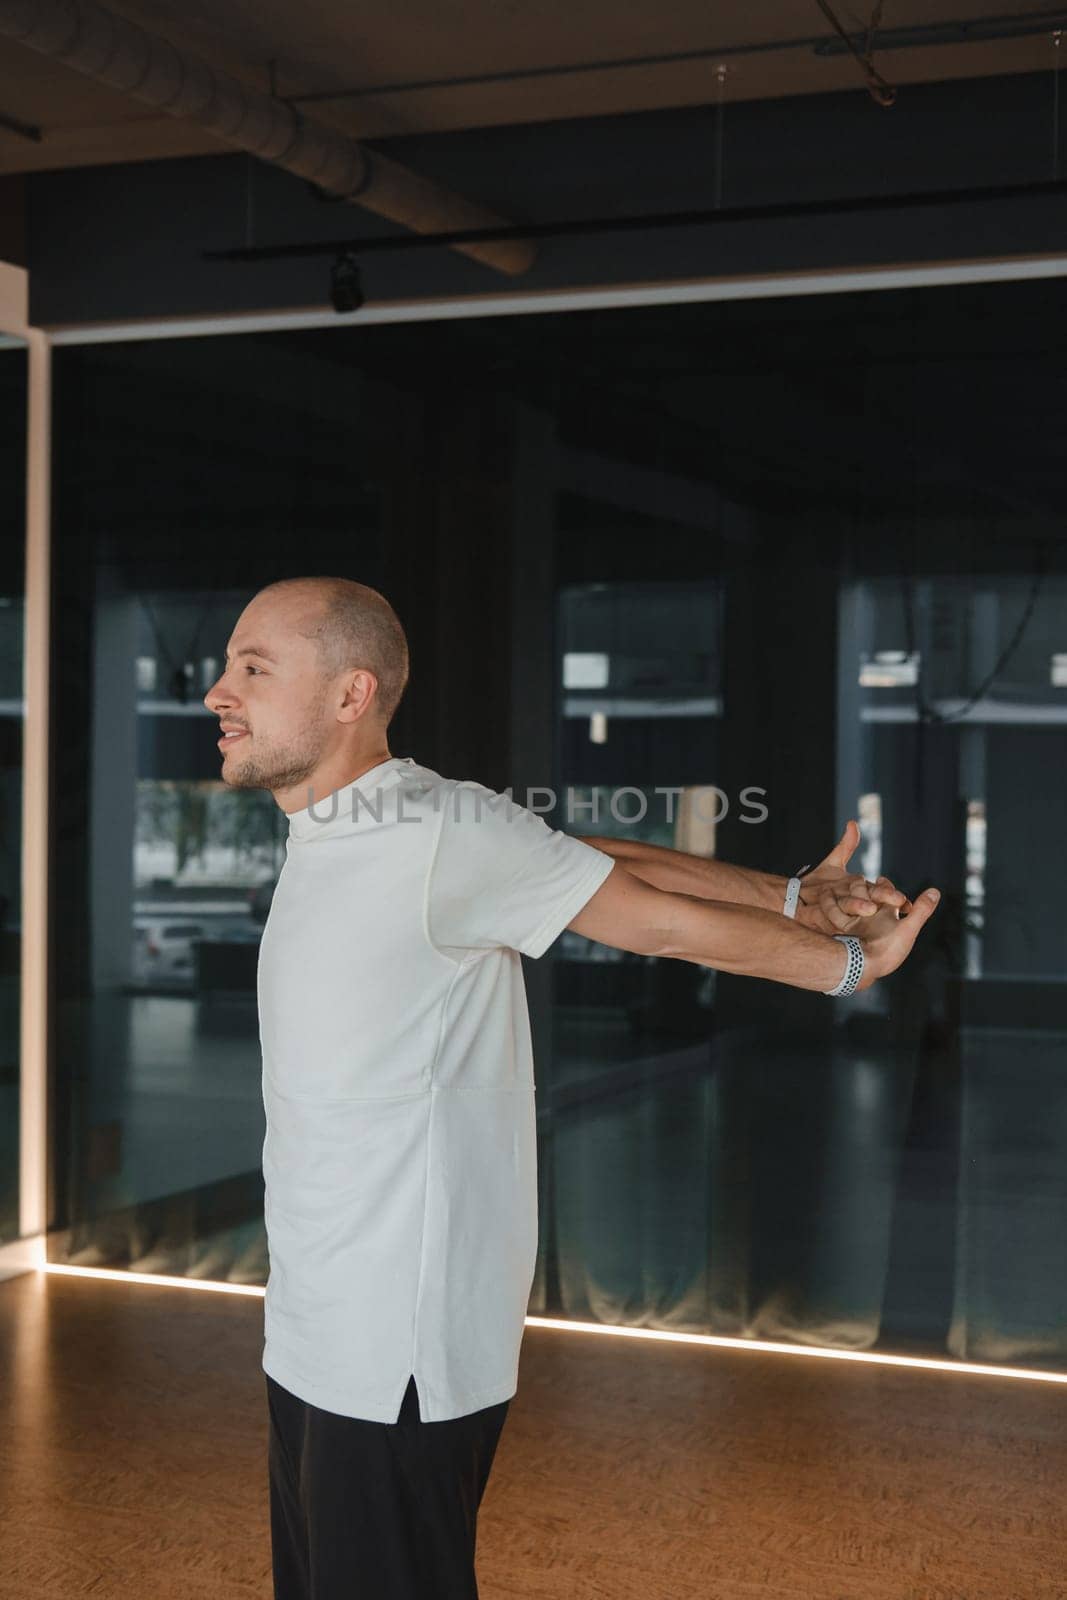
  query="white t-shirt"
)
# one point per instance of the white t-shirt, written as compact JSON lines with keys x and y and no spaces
{"x":400,"y":1154}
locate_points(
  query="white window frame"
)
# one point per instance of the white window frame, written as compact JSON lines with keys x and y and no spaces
{"x":28,"y":1250}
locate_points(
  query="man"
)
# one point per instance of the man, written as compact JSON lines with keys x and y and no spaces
{"x":399,"y":1159}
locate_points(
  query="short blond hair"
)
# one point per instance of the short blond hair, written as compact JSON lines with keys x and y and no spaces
{"x":355,"y":626}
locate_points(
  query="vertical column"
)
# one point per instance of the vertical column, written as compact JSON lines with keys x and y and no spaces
{"x":780,"y":697}
{"x":33,"y":1041}
{"x":533,"y":739}
{"x":447,"y":562}
{"x":113,"y":795}
{"x":853,"y":627}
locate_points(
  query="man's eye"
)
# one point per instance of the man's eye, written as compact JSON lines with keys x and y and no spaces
{"x":250,"y":668}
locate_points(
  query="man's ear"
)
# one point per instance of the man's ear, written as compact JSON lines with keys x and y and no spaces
{"x":361,"y":694}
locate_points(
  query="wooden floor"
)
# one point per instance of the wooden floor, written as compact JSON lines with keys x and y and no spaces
{"x":133,"y":1463}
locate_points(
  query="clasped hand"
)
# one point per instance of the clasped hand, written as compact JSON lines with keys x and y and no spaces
{"x":834,"y":900}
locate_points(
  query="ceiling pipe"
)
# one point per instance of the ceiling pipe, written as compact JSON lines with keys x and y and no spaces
{"x":109,"y":50}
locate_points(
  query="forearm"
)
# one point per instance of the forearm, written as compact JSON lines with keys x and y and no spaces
{"x":700,"y":876}
{"x":753,"y":943}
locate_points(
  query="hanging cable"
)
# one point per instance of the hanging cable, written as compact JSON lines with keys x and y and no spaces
{"x":926,"y":711}
{"x":880,"y":91}
{"x":1057,"y":35}
{"x":720,"y":130}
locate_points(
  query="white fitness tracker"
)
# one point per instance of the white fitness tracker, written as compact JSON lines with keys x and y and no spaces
{"x":792,"y":892}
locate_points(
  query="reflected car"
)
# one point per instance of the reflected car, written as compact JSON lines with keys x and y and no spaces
{"x":163,"y":949}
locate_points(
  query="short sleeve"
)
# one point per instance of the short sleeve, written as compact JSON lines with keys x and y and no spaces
{"x":501,"y":876}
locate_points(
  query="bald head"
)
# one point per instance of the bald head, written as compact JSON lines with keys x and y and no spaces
{"x":353,"y":626}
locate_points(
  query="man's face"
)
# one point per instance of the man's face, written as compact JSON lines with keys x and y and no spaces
{"x":272,"y":693}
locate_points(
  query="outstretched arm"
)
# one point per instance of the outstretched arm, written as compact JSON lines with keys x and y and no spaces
{"x":630,"y":914}
{"x":832,"y":900}
{"x":703,"y":876}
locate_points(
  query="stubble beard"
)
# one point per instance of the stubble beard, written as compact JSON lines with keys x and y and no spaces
{"x":275,"y":769}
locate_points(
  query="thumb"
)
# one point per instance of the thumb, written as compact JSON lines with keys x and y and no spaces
{"x":908,"y":928}
{"x":845,"y":847}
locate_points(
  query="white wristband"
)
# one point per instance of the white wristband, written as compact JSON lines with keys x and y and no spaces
{"x":792,"y":893}
{"x":853,"y":966}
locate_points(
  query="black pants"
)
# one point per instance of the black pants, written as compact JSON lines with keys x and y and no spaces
{"x":375,"y":1510}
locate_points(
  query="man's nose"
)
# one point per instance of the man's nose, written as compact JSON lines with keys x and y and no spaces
{"x":218,"y":696}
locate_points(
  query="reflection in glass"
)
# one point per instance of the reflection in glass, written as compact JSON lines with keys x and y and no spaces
{"x":771,"y":564}
{"x":13,"y":394}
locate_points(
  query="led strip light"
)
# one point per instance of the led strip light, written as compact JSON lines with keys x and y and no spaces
{"x":971,"y":1369}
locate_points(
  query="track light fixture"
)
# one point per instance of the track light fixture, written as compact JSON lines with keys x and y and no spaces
{"x":346,"y":288}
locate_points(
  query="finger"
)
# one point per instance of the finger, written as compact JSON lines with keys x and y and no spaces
{"x":921,"y":912}
{"x":859,"y":887}
{"x":835,"y":913}
{"x":886,"y":894}
{"x":845,"y":847}
{"x":854,"y":906}
{"x":908,"y":928}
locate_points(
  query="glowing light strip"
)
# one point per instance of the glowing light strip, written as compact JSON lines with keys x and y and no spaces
{"x":973,"y":1369}
{"x":60,"y":1269}
{"x":723,"y":1341}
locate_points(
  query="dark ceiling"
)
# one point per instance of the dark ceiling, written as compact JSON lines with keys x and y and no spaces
{"x":424,"y":66}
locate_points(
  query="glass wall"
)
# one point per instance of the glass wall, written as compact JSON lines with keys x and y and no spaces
{"x":718,"y":577}
{"x":13,"y":380}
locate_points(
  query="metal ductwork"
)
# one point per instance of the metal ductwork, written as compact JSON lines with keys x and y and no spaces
{"x":112,"y":51}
